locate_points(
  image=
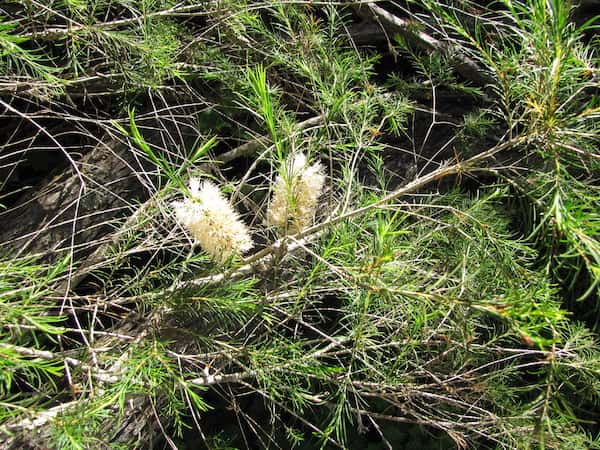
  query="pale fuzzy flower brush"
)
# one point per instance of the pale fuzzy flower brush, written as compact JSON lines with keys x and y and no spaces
{"x":213,"y":222}
{"x":296,"y":194}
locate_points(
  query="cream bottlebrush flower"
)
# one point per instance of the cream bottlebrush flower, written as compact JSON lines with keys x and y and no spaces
{"x":213,"y":222}
{"x":295,"y":194}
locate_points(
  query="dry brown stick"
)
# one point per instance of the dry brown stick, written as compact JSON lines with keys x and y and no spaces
{"x":60,"y":32}
{"x":98,"y":374}
{"x":394,"y":24}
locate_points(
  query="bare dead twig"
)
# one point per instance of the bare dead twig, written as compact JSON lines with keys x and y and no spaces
{"x":394,"y":24}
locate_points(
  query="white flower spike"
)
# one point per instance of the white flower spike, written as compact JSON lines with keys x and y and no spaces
{"x":295,"y":195}
{"x":213,"y":222}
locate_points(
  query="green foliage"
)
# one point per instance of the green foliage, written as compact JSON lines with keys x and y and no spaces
{"x":18,"y":61}
{"x":428,"y":316}
{"x":172,"y":171}
{"x":543,"y":72}
{"x":264,"y":101}
{"x":29,"y":323}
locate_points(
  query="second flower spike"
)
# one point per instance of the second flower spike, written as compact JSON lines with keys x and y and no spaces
{"x":296,"y":193}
